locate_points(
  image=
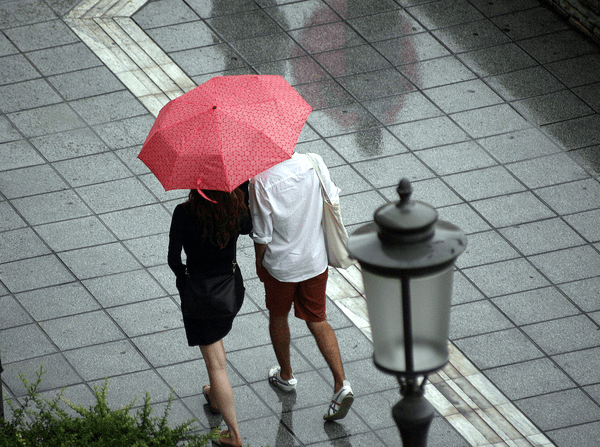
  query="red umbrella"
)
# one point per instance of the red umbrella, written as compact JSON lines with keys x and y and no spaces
{"x":224,"y":132}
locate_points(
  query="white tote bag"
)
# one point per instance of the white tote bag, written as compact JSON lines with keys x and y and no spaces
{"x":336,"y":236}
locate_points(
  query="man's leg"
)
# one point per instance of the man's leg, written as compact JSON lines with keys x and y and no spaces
{"x":279,"y":330}
{"x":328,"y":345}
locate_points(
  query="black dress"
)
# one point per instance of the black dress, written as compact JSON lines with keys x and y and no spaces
{"x":202,"y":256}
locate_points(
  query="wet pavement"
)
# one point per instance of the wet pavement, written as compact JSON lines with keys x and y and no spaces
{"x":489,"y":108}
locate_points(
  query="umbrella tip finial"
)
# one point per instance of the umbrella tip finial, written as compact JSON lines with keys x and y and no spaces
{"x":214,"y":107}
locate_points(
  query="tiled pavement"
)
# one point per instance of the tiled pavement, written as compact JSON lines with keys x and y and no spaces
{"x":490,"y":108}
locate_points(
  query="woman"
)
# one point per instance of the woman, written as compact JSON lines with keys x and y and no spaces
{"x":208,"y":230}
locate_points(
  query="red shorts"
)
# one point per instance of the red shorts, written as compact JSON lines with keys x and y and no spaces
{"x":308,"y":297}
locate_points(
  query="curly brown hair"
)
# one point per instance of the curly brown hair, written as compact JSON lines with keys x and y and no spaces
{"x":221,"y":220}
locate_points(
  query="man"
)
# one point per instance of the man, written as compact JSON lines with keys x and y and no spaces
{"x":291,"y":260}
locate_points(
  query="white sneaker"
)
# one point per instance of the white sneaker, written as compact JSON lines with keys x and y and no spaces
{"x":285,"y":385}
{"x":340,"y":403}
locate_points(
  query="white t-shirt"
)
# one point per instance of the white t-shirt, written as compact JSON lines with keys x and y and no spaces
{"x":287,"y":209}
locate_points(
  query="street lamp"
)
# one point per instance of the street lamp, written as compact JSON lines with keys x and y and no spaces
{"x":407,"y":261}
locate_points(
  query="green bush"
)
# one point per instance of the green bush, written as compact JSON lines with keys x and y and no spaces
{"x":45,"y":422}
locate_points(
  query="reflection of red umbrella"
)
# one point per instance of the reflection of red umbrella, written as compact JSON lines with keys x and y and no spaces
{"x":225,"y":131}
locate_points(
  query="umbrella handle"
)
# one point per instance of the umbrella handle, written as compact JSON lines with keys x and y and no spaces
{"x":202,"y":192}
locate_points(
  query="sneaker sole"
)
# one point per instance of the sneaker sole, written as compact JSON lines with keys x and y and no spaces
{"x":343,"y":411}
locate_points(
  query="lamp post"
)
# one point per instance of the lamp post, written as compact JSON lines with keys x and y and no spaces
{"x":407,"y":259}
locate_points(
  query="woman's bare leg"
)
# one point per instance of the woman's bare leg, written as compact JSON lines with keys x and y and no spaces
{"x":220,"y":391}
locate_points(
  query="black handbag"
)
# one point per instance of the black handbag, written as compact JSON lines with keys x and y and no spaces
{"x":207,"y":296}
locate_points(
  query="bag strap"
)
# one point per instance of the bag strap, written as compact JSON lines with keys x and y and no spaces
{"x":318,"y":171}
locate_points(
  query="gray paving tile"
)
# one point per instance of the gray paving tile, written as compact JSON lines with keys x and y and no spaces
{"x":591,"y":94}
{"x":165,"y":347}
{"x":24,"y":342}
{"x":352,"y":60}
{"x":385,"y":25}
{"x":106,"y":360}
{"x":77,"y":331}
{"x":542,"y":236}
{"x":8,"y":132}
{"x":456,"y":158}
{"x":23,"y":13}
{"x":537,"y":305}
{"x":584,"y":293}
{"x":497,"y":59}
{"x":91,"y":169}
{"x":529,"y":23}
{"x":212,"y":59}
{"x":571,"y":77}
{"x":125,"y":133}
{"x":326,"y":37}
{"x":560,"y":409}
{"x":108,"y":107}
{"x":576,"y":133}
{"x":524,"y":207}
{"x":464,"y":217}
{"x":297,"y":70}
{"x":436,"y":72}
{"x":377,"y":142}
{"x":243,"y":25}
{"x":581,"y":365}
{"x":490,"y":9}
{"x":463,"y":96}
{"x":107,"y":259}
{"x":524,"y":83}
{"x":463,"y":291}
{"x":149,"y":250}
{"x":69,"y":144}
{"x":18,"y":154}
{"x":434,"y":15}
{"x":116,"y":195}
{"x":57,"y":301}
{"x":505,"y":277}
{"x":147,"y":316}
{"x":46,"y":120}
{"x":63,"y":59}
{"x":355,"y":9}
{"x":471,"y":36}
{"x":484,"y":183}
{"x":411,"y":48}
{"x":348,"y":118}
{"x":476,"y":318}
{"x":124,"y":389}
{"x":498,"y":348}
{"x":519,"y":145}
{"x":441,"y":434}
{"x":28,"y":181}
{"x":265,"y":49}
{"x":28,"y":274}
{"x":552,"y":108}
{"x":569,"y":264}
{"x":27,"y":95}
{"x":585,"y":435}
{"x":376,"y":84}
{"x":324,"y":94}
{"x":73,"y":234}
{"x":557,"y":46}
{"x":13,"y":241}
{"x":527,"y":379}
{"x":298,"y":15}
{"x":388,"y":171}
{"x":429,"y":133}
{"x":484,"y":248}
{"x":6,"y":47}
{"x":57,"y":374}
{"x":406,"y":107}
{"x":41,"y":35}
{"x":135,"y":222}
{"x":548,"y":170}
{"x":12,"y":313}
{"x":490,"y":120}
{"x":51,"y":207}
{"x":432,"y":191}
{"x":16,"y":68}
{"x":183,"y":36}
{"x":588,"y":158}
{"x":371,"y":380}
{"x":564,"y":335}
{"x":250,"y":330}
{"x":85,"y":83}
{"x":162,"y":13}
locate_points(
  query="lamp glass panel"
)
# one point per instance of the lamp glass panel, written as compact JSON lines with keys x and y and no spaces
{"x":430,"y":299}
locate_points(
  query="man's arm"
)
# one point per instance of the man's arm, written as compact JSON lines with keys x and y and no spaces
{"x":259,"y":252}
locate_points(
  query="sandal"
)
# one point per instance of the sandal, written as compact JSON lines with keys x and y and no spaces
{"x":206,"y":391}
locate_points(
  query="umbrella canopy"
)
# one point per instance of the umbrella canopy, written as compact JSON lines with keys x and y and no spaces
{"x":225,"y":131}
